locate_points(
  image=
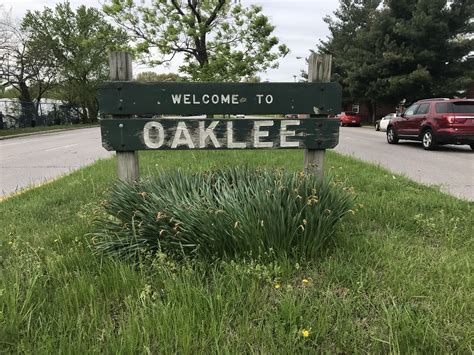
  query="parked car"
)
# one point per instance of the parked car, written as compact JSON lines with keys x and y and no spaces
{"x":382,"y":124}
{"x":435,"y":122}
{"x":349,"y":118}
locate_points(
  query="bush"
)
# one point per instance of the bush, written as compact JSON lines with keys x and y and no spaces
{"x":222,"y":213}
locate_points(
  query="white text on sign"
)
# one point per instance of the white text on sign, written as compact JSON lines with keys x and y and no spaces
{"x":218,"y":99}
{"x":221,"y":134}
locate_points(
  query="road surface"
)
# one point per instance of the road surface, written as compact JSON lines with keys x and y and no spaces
{"x":32,"y":160}
{"x":450,"y":167}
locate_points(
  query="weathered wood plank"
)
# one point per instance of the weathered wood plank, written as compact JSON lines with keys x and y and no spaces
{"x":319,"y":70}
{"x":120,"y":68}
{"x":138,"y":98}
{"x":182,"y":133}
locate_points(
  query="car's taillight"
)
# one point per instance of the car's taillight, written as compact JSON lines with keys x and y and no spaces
{"x":454,"y":119}
{"x":449,"y":118}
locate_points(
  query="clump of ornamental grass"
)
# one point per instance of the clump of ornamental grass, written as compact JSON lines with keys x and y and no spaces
{"x":222,"y":213}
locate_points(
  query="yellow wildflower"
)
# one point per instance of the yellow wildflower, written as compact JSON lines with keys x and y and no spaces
{"x":277,"y":286}
{"x":305,"y":282}
{"x":305,"y":333}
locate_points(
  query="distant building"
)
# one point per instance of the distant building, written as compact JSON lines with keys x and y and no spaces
{"x":470,"y":91}
{"x":364,"y":111}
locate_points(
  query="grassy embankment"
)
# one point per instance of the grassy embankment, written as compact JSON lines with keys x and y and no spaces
{"x":39,"y":129}
{"x":398,"y":277}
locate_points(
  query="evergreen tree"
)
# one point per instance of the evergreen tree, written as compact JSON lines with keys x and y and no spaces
{"x":401,"y":49}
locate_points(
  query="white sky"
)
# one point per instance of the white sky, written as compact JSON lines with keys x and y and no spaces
{"x":299,"y":24}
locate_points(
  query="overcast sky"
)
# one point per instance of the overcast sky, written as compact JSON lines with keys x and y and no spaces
{"x":299,"y":24}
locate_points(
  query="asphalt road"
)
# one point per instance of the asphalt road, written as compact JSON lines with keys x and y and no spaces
{"x":451,"y":167}
{"x":34,"y":159}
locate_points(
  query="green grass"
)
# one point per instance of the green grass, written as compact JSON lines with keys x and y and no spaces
{"x":12,"y":132}
{"x":396,"y":279}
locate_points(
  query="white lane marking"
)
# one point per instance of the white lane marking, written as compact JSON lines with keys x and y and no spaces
{"x":61,"y":147}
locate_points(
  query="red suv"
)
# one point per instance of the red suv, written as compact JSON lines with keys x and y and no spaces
{"x":349,"y":118}
{"x":435,"y":122}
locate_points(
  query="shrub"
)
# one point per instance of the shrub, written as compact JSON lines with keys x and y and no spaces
{"x":221,"y":213}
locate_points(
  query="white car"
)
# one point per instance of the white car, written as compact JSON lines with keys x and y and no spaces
{"x":381,"y":125}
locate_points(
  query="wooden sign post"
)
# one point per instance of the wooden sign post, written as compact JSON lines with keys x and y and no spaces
{"x":131,"y":116}
{"x":319,"y":70}
{"x":120,"y":66}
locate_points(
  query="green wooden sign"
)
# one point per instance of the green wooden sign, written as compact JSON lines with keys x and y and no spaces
{"x":150,"y":98}
{"x":181,"y":133}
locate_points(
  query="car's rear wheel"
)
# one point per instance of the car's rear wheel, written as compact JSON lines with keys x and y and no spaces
{"x":392,"y":137}
{"x":428,"y":140}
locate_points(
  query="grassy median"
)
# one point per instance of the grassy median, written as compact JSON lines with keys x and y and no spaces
{"x":396,"y":278}
{"x":41,"y":129}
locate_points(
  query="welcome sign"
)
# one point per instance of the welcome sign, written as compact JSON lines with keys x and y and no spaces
{"x":133,"y":115}
{"x":137,"y":100}
{"x":178,"y":98}
{"x":248,"y":133}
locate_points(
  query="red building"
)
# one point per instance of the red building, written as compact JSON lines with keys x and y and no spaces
{"x":365,"y":112}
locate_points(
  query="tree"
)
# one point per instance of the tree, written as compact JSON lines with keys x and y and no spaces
{"x":355,"y":46}
{"x":152,"y":76}
{"x":27,"y":70}
{"x":79,"y":42}
{"x":220,"y":39}
{"x":401,"y":49}
{"x":427,"y":45}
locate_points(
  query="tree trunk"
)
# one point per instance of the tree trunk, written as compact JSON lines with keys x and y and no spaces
{"x":372,"y":106}
{"x":93,"y":110}
{"x":374,"y":112}
{"x":84,"y":115}
{"x":28,"y":110}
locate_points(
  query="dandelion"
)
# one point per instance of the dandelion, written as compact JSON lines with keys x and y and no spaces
{"x":277,"y":286}
{"x":305,"y":282}
{"x":305,"y":333}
